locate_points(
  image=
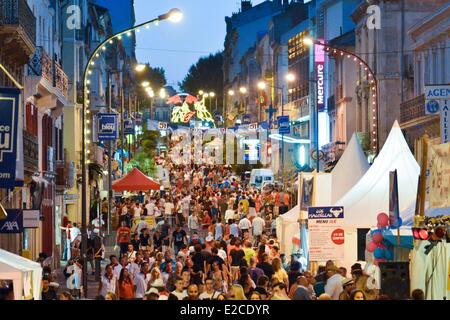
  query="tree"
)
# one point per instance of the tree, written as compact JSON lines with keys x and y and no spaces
{"x":156,"y":76}
{"x":206,"y":74}
{"x":144,"y":157}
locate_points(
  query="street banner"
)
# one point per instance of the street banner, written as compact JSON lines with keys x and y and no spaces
{"x":394,"y":211}
{"x":13,"y":222}
{"x":445,"y":122}
{"x":437,"y":103}
{"x":439,"y":178}
{"x":107,"y":125}
{"x":326,"y":233}
{"x":9,"y":110}
{"x":149,"y":219}
{"x":128,"y":126}
{"x":284,"y":126}
{"x":319,"y":54}
{"x":306,"y":196}
{"x":435,"y":96}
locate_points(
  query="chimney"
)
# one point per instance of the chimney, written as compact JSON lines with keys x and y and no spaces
{"x":246,"y":5}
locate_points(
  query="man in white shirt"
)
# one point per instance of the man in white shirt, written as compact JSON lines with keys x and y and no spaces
{"x":150,"y":208}
{"x":137,"y":211}
{"x":334,"y":283}
{"x":245,"y":225}
{"x":142,"y":225}
{"x":229,"y":214}
{"x":141,"y":281}
{"x":258,"y":225}
{"x":99,"y":225}
{"x":209,"y":293}
{"x":75,"y":233}
{"x":168,"y":208}
{"x":193,"y":223}
{"x":179,"y":291}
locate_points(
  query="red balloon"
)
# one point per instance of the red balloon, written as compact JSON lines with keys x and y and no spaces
{"x":371,"y":246}
{"x":377,"y":237}
{"x":382,"y":246}
{"x":383,"y":219}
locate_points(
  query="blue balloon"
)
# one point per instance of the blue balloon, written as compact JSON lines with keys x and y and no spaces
{"x":378,"y":253}
{"x":374,"y":231}
{"x":388,"y":254}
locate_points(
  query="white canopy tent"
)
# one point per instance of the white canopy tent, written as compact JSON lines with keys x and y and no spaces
{"x":25,"y":274}
{"x":370,"y":195}
{"x":288,"y":227}
{"x":350,"y":168}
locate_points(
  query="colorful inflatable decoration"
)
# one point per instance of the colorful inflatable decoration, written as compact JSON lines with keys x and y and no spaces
{"x":186,"y":107}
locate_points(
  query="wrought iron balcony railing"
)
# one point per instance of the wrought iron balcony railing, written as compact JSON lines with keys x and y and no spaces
{"x":42,"y":65}
{"x":18,"y":14}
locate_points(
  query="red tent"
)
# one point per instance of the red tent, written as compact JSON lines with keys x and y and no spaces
{"x":135,"y":180}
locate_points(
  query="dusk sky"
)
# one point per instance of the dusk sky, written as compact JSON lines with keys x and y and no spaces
{"x":175,"y":47}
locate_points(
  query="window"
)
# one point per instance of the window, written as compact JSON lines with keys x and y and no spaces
{"x":258,"y":179}
{"x":31,"y":119}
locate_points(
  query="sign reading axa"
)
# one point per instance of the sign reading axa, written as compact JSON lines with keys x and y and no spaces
{"x":9,"y":110}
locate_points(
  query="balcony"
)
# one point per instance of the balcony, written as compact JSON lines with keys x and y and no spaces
{"x":412,"y":112}
{"x":30,"y":152}
{"x":18,"y":30}
{"x":42,"y":65}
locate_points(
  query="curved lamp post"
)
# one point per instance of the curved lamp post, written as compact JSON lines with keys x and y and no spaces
{"x":174,"y":15}
{"x":373,"y":82}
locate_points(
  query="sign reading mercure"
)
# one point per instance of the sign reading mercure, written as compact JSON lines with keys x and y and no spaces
{"x":326,"y":233}
{"x":319,"y":55}
{"x":9,"y":111}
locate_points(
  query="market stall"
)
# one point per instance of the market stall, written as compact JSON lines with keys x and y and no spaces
{"x":135,"y":180}
{"x":25,"y":274}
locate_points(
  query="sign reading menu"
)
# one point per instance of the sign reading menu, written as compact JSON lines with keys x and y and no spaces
{"x":326,"y":233}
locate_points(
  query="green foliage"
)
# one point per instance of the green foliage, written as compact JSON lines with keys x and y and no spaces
{"x":144,"y":158}
{"x":156,"y":76}
{"x":205,"y":75}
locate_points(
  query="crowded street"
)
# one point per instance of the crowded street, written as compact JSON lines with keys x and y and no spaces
{"x":272,"y":150}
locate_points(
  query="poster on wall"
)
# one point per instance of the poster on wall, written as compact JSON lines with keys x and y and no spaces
{"x":326,"y":233}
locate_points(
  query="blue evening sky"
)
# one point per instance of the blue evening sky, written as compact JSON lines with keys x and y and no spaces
{"x":175,"y":47}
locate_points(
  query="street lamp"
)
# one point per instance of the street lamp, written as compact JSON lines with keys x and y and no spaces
{"x":200,"y":92}
{"x":173,"y":15}
{"x":139,"y":67}
{"x":243,"y":90}
{"x":373,"y":82}
{"x":261,"y":85}
{"x":145,"y":84}
{"x":162,"y":93}
{"x":290,"y":77}
{"x":231,"y":92}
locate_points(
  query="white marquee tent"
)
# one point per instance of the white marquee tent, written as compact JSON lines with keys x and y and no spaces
{"x":350,"y":168}
{"x":370,"y":195}
{"x":25,"y":274}
{"x":329,"y":186}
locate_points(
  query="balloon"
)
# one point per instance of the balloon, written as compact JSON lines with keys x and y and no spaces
{"x":378,"y":253}
{"x":389,"y":254}
{"x":382,"y":246}
{"x":374,"y":232}
{"x":383,"y":219}
{"x":371,"y":246}
{"x":377,"y":237}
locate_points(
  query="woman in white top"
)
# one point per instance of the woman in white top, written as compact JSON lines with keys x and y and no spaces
{"x":108,"y":283}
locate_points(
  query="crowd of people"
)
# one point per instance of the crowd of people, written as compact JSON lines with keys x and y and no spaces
{"x":210,"y":235}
